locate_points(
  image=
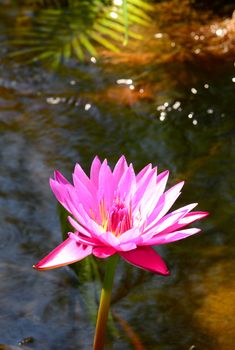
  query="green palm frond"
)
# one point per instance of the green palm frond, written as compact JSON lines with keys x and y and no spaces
{"x":60,"y":29}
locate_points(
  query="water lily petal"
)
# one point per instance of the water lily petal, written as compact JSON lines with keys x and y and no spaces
{"x":83,"y":239}
{"x":170,"y":197}
{"x":81,"y":175}
{"x":71,"y":203}
{"x":118,"y":211}
{"x":80,"y":179}
{"x":191,"y":217}
{"x":144,"y":190}
{"x":95,"y":170}
{"x":131,"y":235}
{"x":107,"y":238}
{"x":147,"y":259}
{"x":185,"y":220}
{"x":87,"y":196}
{"x":60,"y":178}
{"x":60,"y":191}
{"x":91,"y":225}
{"x":144,"y":172}
{"x":127,"y":185}
{"x":66,"y":253}
{"x":171,"y":237}
{"x":119,"y":170}
{"x":167,"y":222}
{"x":103,"y":252}
{"x":155,"y":191}
{"x":106,"y":185}
{"x":165,"y":203}
{"x":187,"y":207}
{"x":126,"y":246}
{"x":149,"y":199}
{"x":161,"y":183}
{"x":67,"y":196}
{"x":79,"y":227}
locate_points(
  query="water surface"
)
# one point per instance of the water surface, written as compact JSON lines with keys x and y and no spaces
{"x":178,"y":115}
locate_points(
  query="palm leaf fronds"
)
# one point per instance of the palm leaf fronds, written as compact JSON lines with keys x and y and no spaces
{"x":59,"y":29}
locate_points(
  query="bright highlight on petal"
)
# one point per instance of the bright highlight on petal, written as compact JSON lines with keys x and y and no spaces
{"x":66,"y":253}
{"x":119,"y":212}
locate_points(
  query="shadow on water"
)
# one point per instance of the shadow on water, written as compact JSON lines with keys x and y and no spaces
{"x":168,"y":100}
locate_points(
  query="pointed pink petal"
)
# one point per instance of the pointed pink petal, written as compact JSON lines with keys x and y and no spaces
{"x":84,"y":179}
{"x":107,"y":238}
{"x":187,"y":207}
{"x":66,"y":253}
{"x":155,"y":190}
{"x":60,"y":178}
{"x":144,"y":190}
{"x":177,"y":235}
{"x":147,"y":175}
{"x":170,"y":197}
{"x":80,"y":214}
{"x":159,"y":188}
{"x":132,"y":235}
{"x":191,"y":217}
{"x":129,"y":240}
{"x":94,"y":172}
{"x":126,"y":246}
{"x":148,"y":200}
{"x":186,"y":219}
{"x":84,"y":196}
{"x":92,"y":226}
{"x":172,"y":237}
{"x":106,"y":185}
{"x":127,"y":184}
{"x":85,"y":240}
{"x":167,"y":222}
{"x":60,"y":191}
{"x":144,"y":172}
{"x":147,"y":259}
{"x":103,"y":252}
{"x":170,"y":221}
{"x":162,"y":175}
{"x":67,"y":196}
{"x":119,"y":169}
{"x":87,"y":196}
{"x":165,"y":203}
{"x":79,"y":227}
{"x":161,"y":183}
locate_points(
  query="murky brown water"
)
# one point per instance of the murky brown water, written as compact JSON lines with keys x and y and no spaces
{"x":179,"y":115}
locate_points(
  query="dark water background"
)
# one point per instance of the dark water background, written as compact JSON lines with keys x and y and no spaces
{"x":180,"y":116}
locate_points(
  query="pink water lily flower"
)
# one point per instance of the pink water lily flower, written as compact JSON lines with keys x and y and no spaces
{"x":119,"y":212}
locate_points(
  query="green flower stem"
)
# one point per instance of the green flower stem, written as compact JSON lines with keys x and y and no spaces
{"x":105,"y":299}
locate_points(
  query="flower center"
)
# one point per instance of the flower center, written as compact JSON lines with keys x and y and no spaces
{"x":118,"y":219}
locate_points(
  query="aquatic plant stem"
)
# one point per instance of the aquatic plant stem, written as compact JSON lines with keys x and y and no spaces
{"x":105,"y":299}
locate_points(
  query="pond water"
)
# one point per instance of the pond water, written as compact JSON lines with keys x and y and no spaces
{"x":177,"y":112}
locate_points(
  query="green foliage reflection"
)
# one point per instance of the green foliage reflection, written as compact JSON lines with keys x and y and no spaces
{"x":56,"y":30}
